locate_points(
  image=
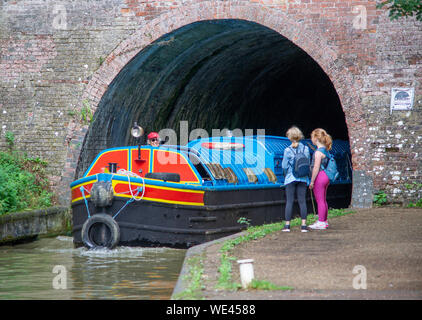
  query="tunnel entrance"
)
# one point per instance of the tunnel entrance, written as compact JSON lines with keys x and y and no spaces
{"x":216,"y":74}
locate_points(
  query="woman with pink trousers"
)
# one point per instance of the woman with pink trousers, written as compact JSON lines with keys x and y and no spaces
{"x":319,"y":180}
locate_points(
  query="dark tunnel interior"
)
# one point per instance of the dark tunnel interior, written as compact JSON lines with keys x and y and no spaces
{"x":216,"y":74}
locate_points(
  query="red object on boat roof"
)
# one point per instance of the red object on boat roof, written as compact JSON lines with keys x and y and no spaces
{"x":223,"y":145}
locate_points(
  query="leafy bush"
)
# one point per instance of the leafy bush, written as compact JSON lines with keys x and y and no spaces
{"x":402,"y":8}
{"x":418,"y":204}
{"x":414,"y":188}
{"x":23,"y":183}
{"x":10,"y":139}
{"x":380,"y":198}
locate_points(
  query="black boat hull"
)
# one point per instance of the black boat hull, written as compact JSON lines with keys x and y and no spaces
{"x":149,"y":223}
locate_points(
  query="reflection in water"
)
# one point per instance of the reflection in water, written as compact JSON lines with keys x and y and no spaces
{"x":26,"y":271}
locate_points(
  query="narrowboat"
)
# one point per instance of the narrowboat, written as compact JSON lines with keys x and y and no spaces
{"x":180,"y":196}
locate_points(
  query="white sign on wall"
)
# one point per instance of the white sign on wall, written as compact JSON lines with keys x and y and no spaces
{"x":402,"y":99}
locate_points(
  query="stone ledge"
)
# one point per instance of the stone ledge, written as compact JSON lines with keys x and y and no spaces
{"x":182,"y":283}
{"x":28,"y":225}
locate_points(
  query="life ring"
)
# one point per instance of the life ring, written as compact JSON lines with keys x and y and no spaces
{"x":100,"y":231}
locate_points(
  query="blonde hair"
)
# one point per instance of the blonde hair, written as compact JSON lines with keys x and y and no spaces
{"x":295,"y":135}
{"x":323,"y":137}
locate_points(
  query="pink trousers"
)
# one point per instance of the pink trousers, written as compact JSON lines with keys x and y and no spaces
{"x":320,"y":191}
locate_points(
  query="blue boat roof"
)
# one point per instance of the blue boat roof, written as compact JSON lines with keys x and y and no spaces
{"x":260,"y":152}
{"x":271,"y":144}
{"x":248,"y":161}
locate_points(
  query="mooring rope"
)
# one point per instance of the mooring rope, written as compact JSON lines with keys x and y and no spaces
{"x":128,"y":174}
{"x":129,"y":201}
{"x":86,"y":202}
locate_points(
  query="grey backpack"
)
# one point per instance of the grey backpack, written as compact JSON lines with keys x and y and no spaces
{"x":301,"y":163}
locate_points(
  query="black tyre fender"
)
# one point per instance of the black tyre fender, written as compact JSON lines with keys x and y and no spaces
{"x":100,"y":231}
{"x":166,"y":176}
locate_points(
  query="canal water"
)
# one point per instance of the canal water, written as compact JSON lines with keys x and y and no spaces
{"x":51,"y":268}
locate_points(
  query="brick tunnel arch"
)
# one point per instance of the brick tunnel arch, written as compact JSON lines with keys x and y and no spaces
{"x":159,"y":31}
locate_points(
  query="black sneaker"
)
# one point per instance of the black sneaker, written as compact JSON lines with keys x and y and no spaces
{"x":304,"y":229}
{"x":286,"y":228}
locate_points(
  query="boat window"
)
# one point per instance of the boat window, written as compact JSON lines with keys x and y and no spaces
{"x":270,"y":175}
{"x":172,"y":161}
{"x":216,"y":170}
{"x":252,"y":178}
{"x":199,"y":167}
{"x":230,"y":175}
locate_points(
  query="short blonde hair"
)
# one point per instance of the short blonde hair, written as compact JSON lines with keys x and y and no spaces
{"x":295,"y":135}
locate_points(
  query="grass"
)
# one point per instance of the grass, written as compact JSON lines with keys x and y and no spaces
{"x":267,"y":285}
{"x":86,"y":113}
{"x":193,"y":290}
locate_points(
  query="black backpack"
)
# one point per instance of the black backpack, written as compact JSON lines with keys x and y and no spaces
{"x":301,"y":163}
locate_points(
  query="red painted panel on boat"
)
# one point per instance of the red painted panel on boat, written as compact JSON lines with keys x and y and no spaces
{"x":170,"y":195}
{"x":140,"y":165}
{"x":171,"y":161}
{"x":119,"y":156}
{"x":76,"y":192}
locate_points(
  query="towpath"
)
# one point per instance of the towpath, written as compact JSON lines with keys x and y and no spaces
{"x":383,"y":244}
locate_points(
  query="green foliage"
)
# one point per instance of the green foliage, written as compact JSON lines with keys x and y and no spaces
{"x":402,"y":8}
{"x":333,"y":213}
{"x":243,"y":220}
{"x":193,"y":277}
{"x":23,"y":183}
{"x":10,"y":139}
{"x":86,"y":113}
{"x":418,"y":204}
{"x":72,"y":113}
{"x":413,"y":186}
{"x":225,"y":270}
{"x":100,"y":61}
{"x":266,"y":285}
{"x":380,"y":198}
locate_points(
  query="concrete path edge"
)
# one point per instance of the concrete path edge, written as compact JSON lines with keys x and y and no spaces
{"x":182,"y":283}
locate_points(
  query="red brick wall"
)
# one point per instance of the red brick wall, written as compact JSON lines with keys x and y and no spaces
{"x":363,"y":61}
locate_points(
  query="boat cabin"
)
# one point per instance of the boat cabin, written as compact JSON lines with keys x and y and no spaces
{"x":212,"y":161}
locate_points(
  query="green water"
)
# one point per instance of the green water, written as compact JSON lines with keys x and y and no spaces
{"x":26,"y":271}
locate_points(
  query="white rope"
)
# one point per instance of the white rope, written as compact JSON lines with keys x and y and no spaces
{"x":129,"y":174}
